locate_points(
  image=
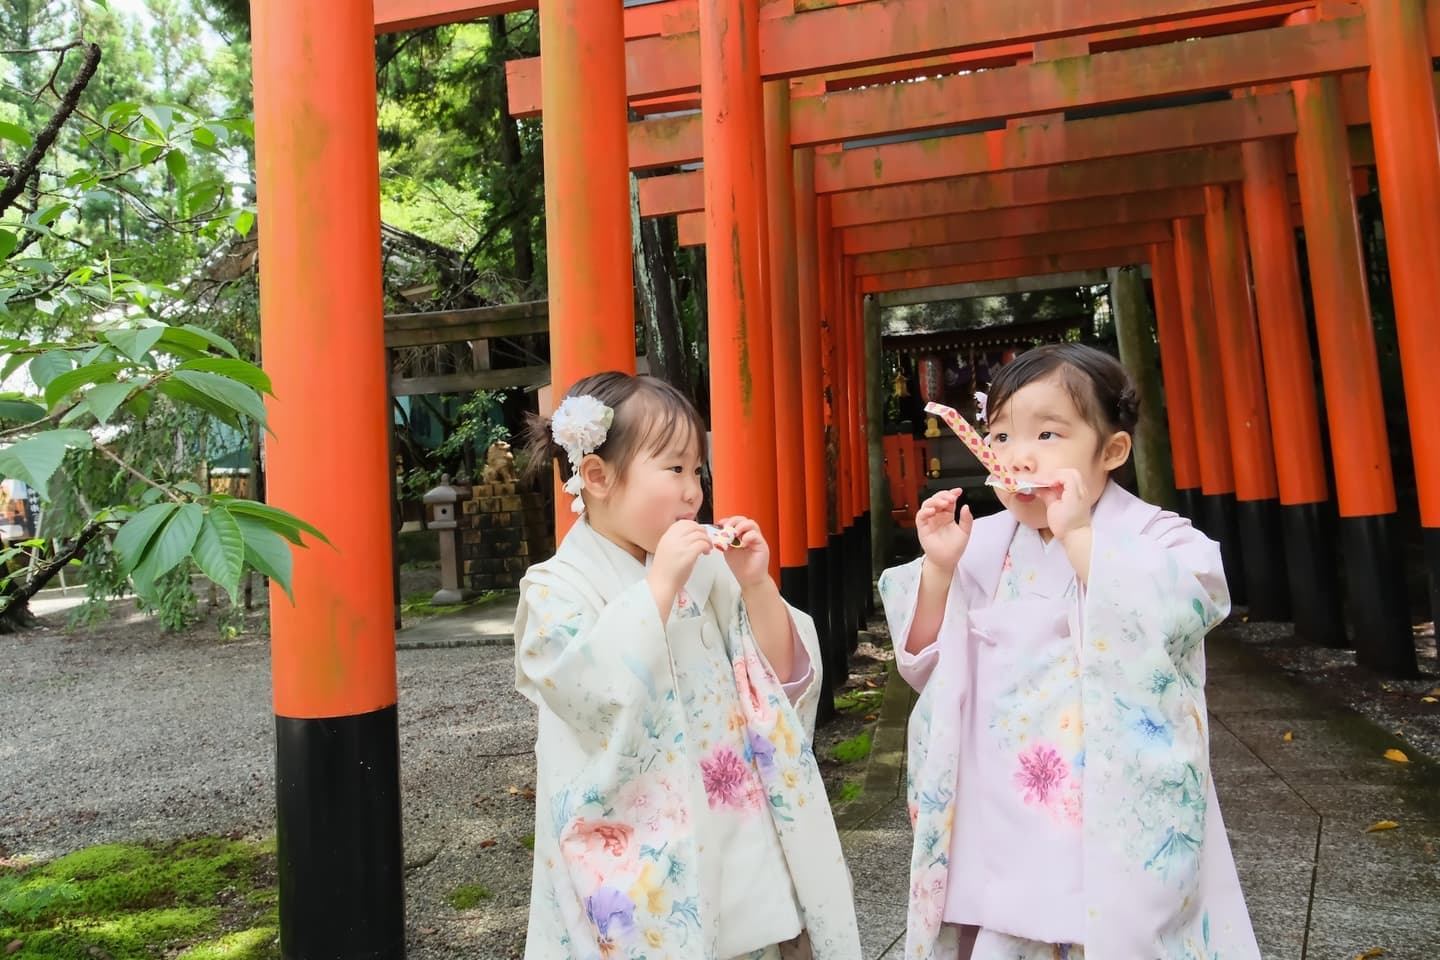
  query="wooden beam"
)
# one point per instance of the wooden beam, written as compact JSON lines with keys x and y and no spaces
{"x":473,"y":323}
{"x":1097,"y":213}
{"x":992,"y":288}
{"x":848,"y":36}
{"x":394,"y":16}
{"x":1004,"y":269}
{"x":1052,"y":86}
{"x":471,"y":380}
{"x":1011,"y":248}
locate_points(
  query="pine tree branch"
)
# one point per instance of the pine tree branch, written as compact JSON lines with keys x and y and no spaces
{"x":27,"y":167}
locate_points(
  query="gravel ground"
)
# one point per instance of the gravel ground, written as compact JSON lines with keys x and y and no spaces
{"x":129,"y":734}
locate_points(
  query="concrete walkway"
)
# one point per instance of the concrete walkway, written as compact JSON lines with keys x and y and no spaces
{"x":1318,"y":885}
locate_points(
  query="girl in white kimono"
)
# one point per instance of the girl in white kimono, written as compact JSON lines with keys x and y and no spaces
{"x":1059,"y":770}
{"x":680,"y":811}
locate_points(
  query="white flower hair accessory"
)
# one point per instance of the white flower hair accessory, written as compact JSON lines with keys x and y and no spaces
{"x":580,"y":425}
{"x":981,"y":400}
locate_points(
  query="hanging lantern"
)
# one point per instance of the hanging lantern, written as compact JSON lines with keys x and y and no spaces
{"x":931,"y":370}
{"x":901,"y":387}
{"x":1008,"y":355}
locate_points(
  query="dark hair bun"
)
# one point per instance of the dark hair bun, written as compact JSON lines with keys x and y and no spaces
{"x":1127,"y":408}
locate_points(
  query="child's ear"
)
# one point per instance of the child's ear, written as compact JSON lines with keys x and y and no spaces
{"x":597,"y":476}
{"x":1116,"y":451}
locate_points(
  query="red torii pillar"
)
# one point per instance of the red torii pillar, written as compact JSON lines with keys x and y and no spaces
{"x":587,"y":198}
{"x":742,"y":383}
{"x":1175,"y":372}
{"x":1248,"y":416}
{"x":835,"y":488}
{"x":1217,"y":469}
{"x":812,"y":401}
{"x":1307,"y":515}
{"x":1407,"y":154}
{"x":1374,"y":575}
{"x":337,"y":755}
{"x":790,"y":543}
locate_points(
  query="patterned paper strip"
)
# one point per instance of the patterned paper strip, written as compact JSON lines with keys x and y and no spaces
{"x":999,"y":476}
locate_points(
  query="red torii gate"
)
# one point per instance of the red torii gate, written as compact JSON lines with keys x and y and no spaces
{"x":785,"y":82}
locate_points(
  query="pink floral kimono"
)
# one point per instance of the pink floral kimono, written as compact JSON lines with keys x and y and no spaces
{"x":1059,"y":768}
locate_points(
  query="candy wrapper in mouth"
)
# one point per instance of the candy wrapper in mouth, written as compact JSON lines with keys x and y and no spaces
{"x":1016,"y":486}
{"x":722,"y":538}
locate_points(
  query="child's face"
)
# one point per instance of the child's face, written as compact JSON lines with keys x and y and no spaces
{"x":657,"y":490}
{"x":1039,"y":432}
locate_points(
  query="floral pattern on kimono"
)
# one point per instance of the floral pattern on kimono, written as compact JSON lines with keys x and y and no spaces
{"x":1159,"y":878}
{"x":628,"y":763}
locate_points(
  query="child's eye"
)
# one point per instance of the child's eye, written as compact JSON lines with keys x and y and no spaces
{"x":1047,"y":434}
{"x":677,"y":468}
{"x":998,"y":437}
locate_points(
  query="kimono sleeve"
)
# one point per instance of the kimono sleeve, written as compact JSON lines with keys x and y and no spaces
{"x":900,"y":593}
{"x":590,"y":667}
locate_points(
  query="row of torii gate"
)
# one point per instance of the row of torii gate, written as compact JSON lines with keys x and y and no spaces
{"x":803,"y":214}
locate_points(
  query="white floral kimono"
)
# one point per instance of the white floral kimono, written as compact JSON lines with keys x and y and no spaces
{"x":654,"y":741}
{"x":1060,"y":748}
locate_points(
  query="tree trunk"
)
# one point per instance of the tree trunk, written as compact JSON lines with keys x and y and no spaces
{"x":15,"y":612}
{"x":521,"y":242}
{"x":655,"y":299}
{"x":1135,"y":335}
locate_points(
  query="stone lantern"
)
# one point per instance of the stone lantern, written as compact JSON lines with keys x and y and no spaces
{"x":442,"y":502}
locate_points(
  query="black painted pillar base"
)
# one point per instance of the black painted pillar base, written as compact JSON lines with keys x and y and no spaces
{"x":839,"y":614}
{"x":818,"y":593}
{"x":1431,"y":538}
{"x":1190,"y":504}
{"x":867,"y":588}
{"x":1314,"y":583}
{"x":795,"y":586}
{"x":1219,"y":512}
{"x":339,"y":856}
{"x":1375,"y":582}
{"x":1261,"y":538}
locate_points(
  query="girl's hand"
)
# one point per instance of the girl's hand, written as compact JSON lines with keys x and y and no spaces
{"x":942,"y":536}
{"x":750,"y":562}
{"x":675,"y":555}
{"x":1067,"y":504}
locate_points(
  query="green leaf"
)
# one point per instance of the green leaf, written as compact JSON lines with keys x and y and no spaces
{"x":220,"y":549}
{"x":188,"y":395}
{"x":171,"y":543}
{"x":151,"y":153}
{"x":119,"y":144}
{"x":67,"y":383}
{"x":178,"y":166}
{"x":159,"y":119}
{"x":103,"y":398}
{"x":140,"y":405}
{"x":17,"y":134}
{"x":51,"y":213}
{"x":48,"y":366}
{"x":244,"y":221}
{"x":8,"y":241}
{"x":241,"y":370}
{"x":281,"y":521}
{"x":267,"y":551}
{"x":205,"y":136}
{"x":133,"y":540}
{"x":35,"y":459}
{"x":223,"y":390}
{"x":136,"y":344}
{"x":22,"y":411}
{"x":212,"y":338}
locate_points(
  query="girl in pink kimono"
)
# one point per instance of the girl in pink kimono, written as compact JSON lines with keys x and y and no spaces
{"x":1059,"y":769}
{"x":680,"y":812}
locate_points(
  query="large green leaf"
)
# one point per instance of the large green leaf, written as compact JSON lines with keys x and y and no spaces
{"x":188,"y":395}
{"x":22,"y":411}
{"x":267,"y":551}
{"x":241,"y":370}
{"x":103,"y":398}
{"x":282,"y":522}
{"x":171,"y":544}
{"x":212,"y":338}
{"x":220,"y":549}
{"x":136,"y":344}
{"x":35,"y":459}
{"x":67,"y":383}
{"x":16,"y":134}
{"x":133,"y":539}
{"x":236,"y":396}
{"x":48,"y":366}
{"x":8,"y":241}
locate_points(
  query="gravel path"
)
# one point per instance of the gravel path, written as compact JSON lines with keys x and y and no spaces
{"x":127,"y":735}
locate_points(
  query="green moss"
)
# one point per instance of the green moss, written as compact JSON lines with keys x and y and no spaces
{"x":849,"y":791}
{"x":469,"y":896}
{"x":860,"y":701}
{"x":529,"y":841}
{"x":138,"y":902}
{"x":853,"y":750}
